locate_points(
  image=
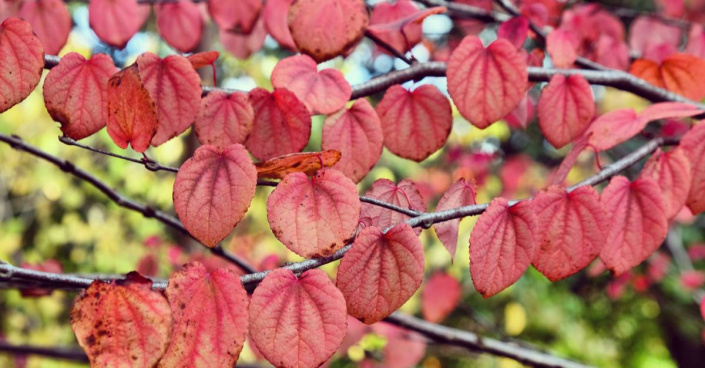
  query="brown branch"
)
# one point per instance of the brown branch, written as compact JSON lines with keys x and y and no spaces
{"x":381,"y":43}
{"x":74,"y":355}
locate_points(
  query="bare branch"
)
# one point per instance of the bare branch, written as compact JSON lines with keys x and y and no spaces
{"x":381,"y":43}
{"x":74,"y":355}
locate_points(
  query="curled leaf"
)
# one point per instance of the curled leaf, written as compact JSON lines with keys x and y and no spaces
{"x":404,"y":195}
{"x":565,"y":109}
{"x":22,"y":61}
{"x":116,"y":21}
{"x":201,"y":59}
{"x":224,"y":119}
{"x":50,"y":20}
{"x":305,"y":162}
{"x":672,"y":172}
{"x":132,"y":114}
{"x":461,"y":193}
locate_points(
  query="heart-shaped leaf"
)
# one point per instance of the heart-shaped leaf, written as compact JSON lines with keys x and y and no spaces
{"x":672,"y":172}
{"x":566,"y":108}
{"x":224,"y":119}
{"x":50,"y":20}
{"x":405,"y":195}
{"x":461,"y":193}
{"x":276,"y":20}
{"x":22,"y":61}
{"x":692,"y":144}
{"x":132,"y":114}
{"x":116,"y":21}
{"x":180,"y":24}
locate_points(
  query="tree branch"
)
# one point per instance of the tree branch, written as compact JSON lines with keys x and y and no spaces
{"x":74,"y":355}
{"x":381,"y":43}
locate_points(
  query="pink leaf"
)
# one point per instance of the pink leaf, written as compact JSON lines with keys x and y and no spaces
{"x":323,"y":92}
{"x":276,"y":21}
{"x":696,"y":41}
{"x":566,"y":108}
{"x":692,"y":279}
{"x":237,"y":16}
{"x":132,"y":114}
{"x":224,"y":119}
{"x":357,"y":134}
{"x":502,"y":245}
{"x":562,"y":45}
{"x":282,"y":124}
{"x":571,"y":230}
{"x":76,"y":93}
{"x":558,"y":177}
{"x":646,"y":31}
{"x":524,"y":113}
{"x":314,"y":217}
{"x":612,"y":53}
{"x":486,"y":83}
{"x":515,"y":30}
{"x":50,"y":20}
{"x":381,"y":272}
{"x":213,"y":190}
{"x":408,"y":35}
{"x":180,"y":24}
{"x":22,"y":61}
{"x":637,"y":222}
{"x":461,"y":193}
{"x":116,"y":21}
{"x":694,"y":149}
{"x":671,"y":170}
{"x":440,"y":296}
{"x":404,"y":348}
{"x":405,"y":195}
{"x":297,"y":322}
{"x":243,"y":46}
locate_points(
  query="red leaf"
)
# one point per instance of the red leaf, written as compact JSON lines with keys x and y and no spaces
{"x":201,"y":59}
{"x":461,"y":193}
{"x":210,"y":318}
{"x":122,"y":323}
{"x":694,"y":149}
{"x":213,"y":190}
{"x":180,"y":24}
{"x":637,"y":222}
{"x":282,"y":124}
{"x":612,"y":53}
{"x":276,"y":20}
{"x":381,"y":272}
{"x":562,"y":45}
{"x":415,"y":124}
{"x":50,"y":20}
{"x":132,"y":114}
{"x":486,"y":83}
{"x":439,"y":297}
{"x":116,"y":21}
{"x":514,"y":30}
{"x":305,"y":162}
{"x":314,"y":217}
{"x":357,"y":134}
{"x":242,"y":46}
{"x":647,"y":31}
{"x":524,"y":113}
{"x":566,"y":108}
{"x":558,"y":177}
{"x":679,"y":73}
{"x":407,"y":35}
{"x":404,"y":195}
{"x":22,"y":61}
{"x":404,"y":348}
{"x":324,"y":29}
{"x":76,"y":93}
{"x":297,"y":323}
{"x":237,"y":16}
{"x":502,"y":245}
{"x":571,"y":230}
{"x":671,"y":170}
{"x":323,"y":92}
{"x":224,"y":119}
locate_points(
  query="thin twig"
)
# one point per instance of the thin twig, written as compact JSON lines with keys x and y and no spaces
{"x":74,"y":355}
{"x":381,"y":43}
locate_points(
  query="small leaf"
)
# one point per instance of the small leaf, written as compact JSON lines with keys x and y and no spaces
{"x":201,"y":59}
{"x":122,"y":323}
{"x":282,"y":124}
{"x":514,"y":30}
{"x":224,"y":119}
{"x":696,"y":41}
{"x":305,"y":162}
{"x":408,"y":35}
{"x":314,"y":217}
{"x":404,"y":195}
{"x":562,"y":45}
{"x":297,"y":322}
{"x":403,"y":348}
{"x":50,"y":20}
{"x":523,"y":114}
{"x":415,"y":124}
{"x":571,"y":230}
{"x":323,"y":92}
{"x":176,"y":90}
{"x":22,"y":61}
{"x":213,"y":190}
{"x":116,"y":21}
{"x":486,"y":83}
{"x":180,"y":24}
{"x":357,"y":133}
{"x":276,"y":21}
{"x":679,"y":73}
{"x":237,"y":16}
{"x":210,"y":318}
{"x":502,"y":245}
{"x":565,"y":109}
{"x":671,"y":170}
{"x":132,"y":114}
{"x":461,"y":193}
{"x":381,"y":272}
{"x":440,"y":296}
{"x":694,"y":149}
{"x":324,"y":29}
{"x":243,"y":46}
{"x":637,"y":222}
{"x":76,"y":93}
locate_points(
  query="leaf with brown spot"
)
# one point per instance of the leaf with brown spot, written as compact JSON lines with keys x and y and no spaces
{"x":305,"y":162}
{"x":132,"y":115}
{"x":405,"y":195}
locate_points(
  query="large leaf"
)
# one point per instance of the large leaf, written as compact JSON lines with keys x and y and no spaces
{"x":694,"y":148}
{"x":404,"y":195}
{"x":237,"y":16}
{"x":122,"y":323}
{"x":50,"y":20}
{"x":502,"y":245}
{"x":637,"y":222}
{"x":176,"y":90}
{"x":679,"y":73}
{"x":323,"y":92}
{"x":486,"y":83}
{"x":213,"y":190}
{"x":304,"y":162}
{"x":381,"y":272}
{"x":116,"y":21}
{"x":180,"y":24}
{"x":132,"y":114}
{"x":314,"y":217}
{"x":76,"y":93}
{"x":571,"y":230}
{"x":210,"y":318}
{"x":275,"y":15}
{"x":461,"y":193}
{"x":562,"y":45}
{"x":672,"y":172}
{"x":243,"y":46}
{"x":324,"y":29}
{"x":297,"y":322}
{"x":408,"y":35}
{"x":565,"y":109}
{"x":357,"y":134}
{"x":415,"y":124}
{"x":440,"y":296}
{"x":224,"y":119}
{"x":22,"y":62}
{"x":282,"y":124}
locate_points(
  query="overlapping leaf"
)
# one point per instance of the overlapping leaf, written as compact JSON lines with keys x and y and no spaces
{"x":679,"y":73}
{"x":305,"y":162}
{"x":314,"y":217}
{"x":297,"y":322}
{"x":514,"y":30}
{"x":22,"y":62}
{"x":440,"y":296}
{"x":213,"y":190}
{"x":116,"y":21}
{"x":694,"y":149}
{"x":242,"y":46}
{"x":50,"y":20}
{"x":180,"y":24}
{"x":408,"y":35}
{"x":461,"y":193}
{"x":224,"y":119}
{"x":76,"y":93}
{"x":237,"y":16}
{"x":672,"y":172}
{"x":132,"y":114}
{"x":381,"y":272}
{"x":646,"y":32}
{"x":404,"y":195}
{"x":565,"y":109}
{"x":275,"y":15}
